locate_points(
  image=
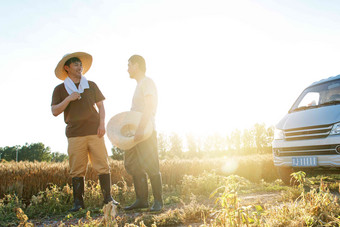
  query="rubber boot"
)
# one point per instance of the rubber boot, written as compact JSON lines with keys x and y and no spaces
{"x":156,"y":183}
{"x":105,"y":184}
{"x":141,"y":190}
{"x":78,"y":193}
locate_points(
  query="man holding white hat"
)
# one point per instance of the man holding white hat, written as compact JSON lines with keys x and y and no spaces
{"x":77,"y":97}
{"x":143,"y":157}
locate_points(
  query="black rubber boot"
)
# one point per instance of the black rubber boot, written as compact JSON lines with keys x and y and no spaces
{"x":141,"y":189}
{"x":78,"y":193}
{"x":105,"y":184}
{"x":156,"y":183}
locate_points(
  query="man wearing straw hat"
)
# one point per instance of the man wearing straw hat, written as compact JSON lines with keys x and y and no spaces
{"x":143,"y":157}
{"x":85,"y":126}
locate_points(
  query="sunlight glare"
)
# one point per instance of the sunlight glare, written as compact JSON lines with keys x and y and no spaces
{"x":230,"y":166}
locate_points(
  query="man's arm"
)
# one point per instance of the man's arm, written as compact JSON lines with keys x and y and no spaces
{"x":101,"y":128}
{"x":146,"y":116}
{"x":59,"y":108}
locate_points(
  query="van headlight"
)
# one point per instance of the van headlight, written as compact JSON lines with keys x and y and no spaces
{"x":278,"y":134}
{"x":336,"y":129}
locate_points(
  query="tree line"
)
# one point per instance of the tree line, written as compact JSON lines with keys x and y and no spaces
{"x":31,"y":152}
{"x":255,"y":140}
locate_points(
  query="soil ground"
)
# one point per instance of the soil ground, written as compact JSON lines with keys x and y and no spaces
{"x":258,"y":198}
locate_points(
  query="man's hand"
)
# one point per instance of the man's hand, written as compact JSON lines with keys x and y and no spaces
{"x":101,"y":130}
{"x":139,"y":135}
{"x":74,"y":96}
{"x":59,"y":108}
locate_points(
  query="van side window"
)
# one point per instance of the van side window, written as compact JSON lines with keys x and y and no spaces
{"x":335,"y":97}
{"x":310,"y":99}
{"x":333,"y":92}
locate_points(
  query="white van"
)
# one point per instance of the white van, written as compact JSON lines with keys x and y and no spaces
{"x":308,"y":137}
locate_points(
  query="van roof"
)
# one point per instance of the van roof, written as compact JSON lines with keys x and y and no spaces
{"x":325,"y":80}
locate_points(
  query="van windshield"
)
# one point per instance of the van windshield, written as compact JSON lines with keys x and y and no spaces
{"x":317,"y":96}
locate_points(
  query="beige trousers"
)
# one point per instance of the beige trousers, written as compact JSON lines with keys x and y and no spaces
{"x":87,"y":148}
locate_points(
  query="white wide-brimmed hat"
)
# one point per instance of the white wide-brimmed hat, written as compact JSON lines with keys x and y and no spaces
{"x":85,"y":58}
{"x":122,"y":127}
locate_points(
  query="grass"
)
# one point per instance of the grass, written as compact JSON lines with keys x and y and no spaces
{"x":209,"y":199}
{"x":206,"y":192}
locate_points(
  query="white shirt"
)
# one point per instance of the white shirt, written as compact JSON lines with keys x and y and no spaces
{"x":145,"y":87}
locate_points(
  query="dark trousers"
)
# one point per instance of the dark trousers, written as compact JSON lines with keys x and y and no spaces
{"x":143,"y":158}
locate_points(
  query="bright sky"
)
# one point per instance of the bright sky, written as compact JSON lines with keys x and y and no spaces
{"x":218,"y":65}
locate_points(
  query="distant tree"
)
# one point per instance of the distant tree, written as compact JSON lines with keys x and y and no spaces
{"x":163,"y":145}
{"x":208,"y":144}
{"x":200,"y":146}
{"x":219,"y":144}
{"x":9,"y":153}
{"x":236,"y":140}
{"x":229,"y":143}
{"x":269,"y":139}
{"x":260,"y":137}
{"x":176,"y":146}
{"x":192,"y":146}
{"x":58,"y":157}
{"x":117,"y":154}
{"x":32,"y":152}
{"x":248,"y":143}
{"x":215,"y":145}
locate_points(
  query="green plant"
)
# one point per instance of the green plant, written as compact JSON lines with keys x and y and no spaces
{"x":52,"y":201}
{"x":229,"y":212}
{"x":298,"y":178}
{"x":8,"y":205}
{"x":22,"y":218}
{"x":318,"y":207}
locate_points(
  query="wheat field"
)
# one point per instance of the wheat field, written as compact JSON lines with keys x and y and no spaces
{"x":28,"y":178}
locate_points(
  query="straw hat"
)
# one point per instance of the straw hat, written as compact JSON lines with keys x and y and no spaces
{"x":85,"y":59}
{"x":122,"y":127}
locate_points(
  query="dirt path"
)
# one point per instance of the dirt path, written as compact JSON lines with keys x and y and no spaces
{"x":258,"y":198}
{"x":261,"y":198}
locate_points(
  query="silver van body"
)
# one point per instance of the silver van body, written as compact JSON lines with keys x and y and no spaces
{"x":308,"y":136}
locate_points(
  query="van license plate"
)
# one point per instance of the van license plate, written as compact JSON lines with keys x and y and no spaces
{"x":304,"y":161}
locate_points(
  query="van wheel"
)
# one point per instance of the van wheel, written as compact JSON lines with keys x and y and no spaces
{"x":284,"y":173}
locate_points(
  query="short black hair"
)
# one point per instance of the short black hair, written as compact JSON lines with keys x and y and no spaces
{"x":140,"y":60}
{"x":72,"y":60}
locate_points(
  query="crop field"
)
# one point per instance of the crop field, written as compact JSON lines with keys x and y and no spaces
{"x":233,"y":191}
